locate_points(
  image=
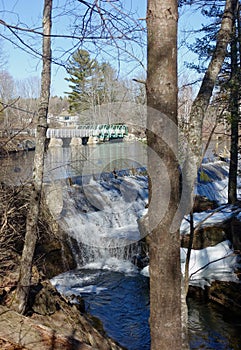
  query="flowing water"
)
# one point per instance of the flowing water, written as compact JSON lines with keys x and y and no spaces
{"x":118,"y":294}
{"x":212,"y":327}
{"x":112,"y":287}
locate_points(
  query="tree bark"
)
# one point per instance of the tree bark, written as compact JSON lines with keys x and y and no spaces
{"x":165,"y":280}
{"x":202,"y":100}
{"x":234,"y":110}
{"x":22,"y":291}
{"x":164,"y":243}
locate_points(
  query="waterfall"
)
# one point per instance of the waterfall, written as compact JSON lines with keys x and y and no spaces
{"x":100,"y":212}
{"x":213,"y":181}
{"x":100,"y":216}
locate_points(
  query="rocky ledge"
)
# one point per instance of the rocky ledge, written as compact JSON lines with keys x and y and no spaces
{"x":226,"y":294}
{"x":52,"y":323}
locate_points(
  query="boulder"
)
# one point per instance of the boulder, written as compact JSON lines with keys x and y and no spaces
{"x":202,"y":203}
{"x":226,"y":294}
{"x":20,"y":332}
{"x":206,"y":237}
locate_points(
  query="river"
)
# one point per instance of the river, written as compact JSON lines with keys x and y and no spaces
{"x":119,"y":296}
{"x":64,"y":162}
{"x":114,"y":289}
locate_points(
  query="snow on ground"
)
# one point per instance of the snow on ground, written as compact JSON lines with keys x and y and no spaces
{"x":210,"y":217}
{"x":209,"y":264}
{"x":218,"y":262}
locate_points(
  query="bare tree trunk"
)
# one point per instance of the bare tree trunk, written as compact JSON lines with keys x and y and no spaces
{"x":165,"y":281}
{"x":200,"y":104}
{"x":234,"y":109}
{"x":22,"y":292}
{"x":202,"y":100}
{"x":162,"y":135}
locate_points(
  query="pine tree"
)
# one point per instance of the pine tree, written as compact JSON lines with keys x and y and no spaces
{"x":91,"y":83}
{"x":83,"y":71}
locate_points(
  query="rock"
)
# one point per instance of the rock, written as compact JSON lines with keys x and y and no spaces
{"x":140,"y":260}
{"x":20,"y":332}
{"x":202,"y":203}
{"x":54,"y":198}
{"x":206,"y":237}
{"x":65,"y":318}
{"x":51,"y":249}
{"x":43,"y":298}
{"x":235,"y":231}
{"x":52,"y":321}
{"x":53,"y":246}
{"x":226,"y":294}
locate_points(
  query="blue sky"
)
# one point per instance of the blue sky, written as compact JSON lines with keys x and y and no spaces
{"x":28,"y":13}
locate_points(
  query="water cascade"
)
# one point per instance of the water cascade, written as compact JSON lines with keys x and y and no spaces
{"x":100,"y":212}
{"x":101,"y":216}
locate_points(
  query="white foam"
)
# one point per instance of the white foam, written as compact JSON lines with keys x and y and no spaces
{"x":90,"y":289}
{"x":112,"y":264}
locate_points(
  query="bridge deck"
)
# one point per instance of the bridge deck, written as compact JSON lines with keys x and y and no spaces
{"x":101,"y":131}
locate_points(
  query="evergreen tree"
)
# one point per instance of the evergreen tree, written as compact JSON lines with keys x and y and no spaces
{"x":91,"y":83}
{"x":82,"y":70}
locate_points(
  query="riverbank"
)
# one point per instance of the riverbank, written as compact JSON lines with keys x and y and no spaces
{"x":52,"y":320}
{"x":16,"y":144}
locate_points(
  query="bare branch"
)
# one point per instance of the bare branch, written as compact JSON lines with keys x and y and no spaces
{"x":7,"y":105}
{"x":139,"y":81}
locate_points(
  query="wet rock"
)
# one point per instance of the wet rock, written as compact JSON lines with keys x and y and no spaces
{"x":51,"y":249}
{"x":140,"y":260}
{"x":52,"y":310}
{"x":226,"y":294}
{"x":53,"y":319}
{"x":46,"y":300}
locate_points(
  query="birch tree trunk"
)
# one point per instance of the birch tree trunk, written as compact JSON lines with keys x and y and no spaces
{"x":162,"y":136}
{"x":22,"y":291}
